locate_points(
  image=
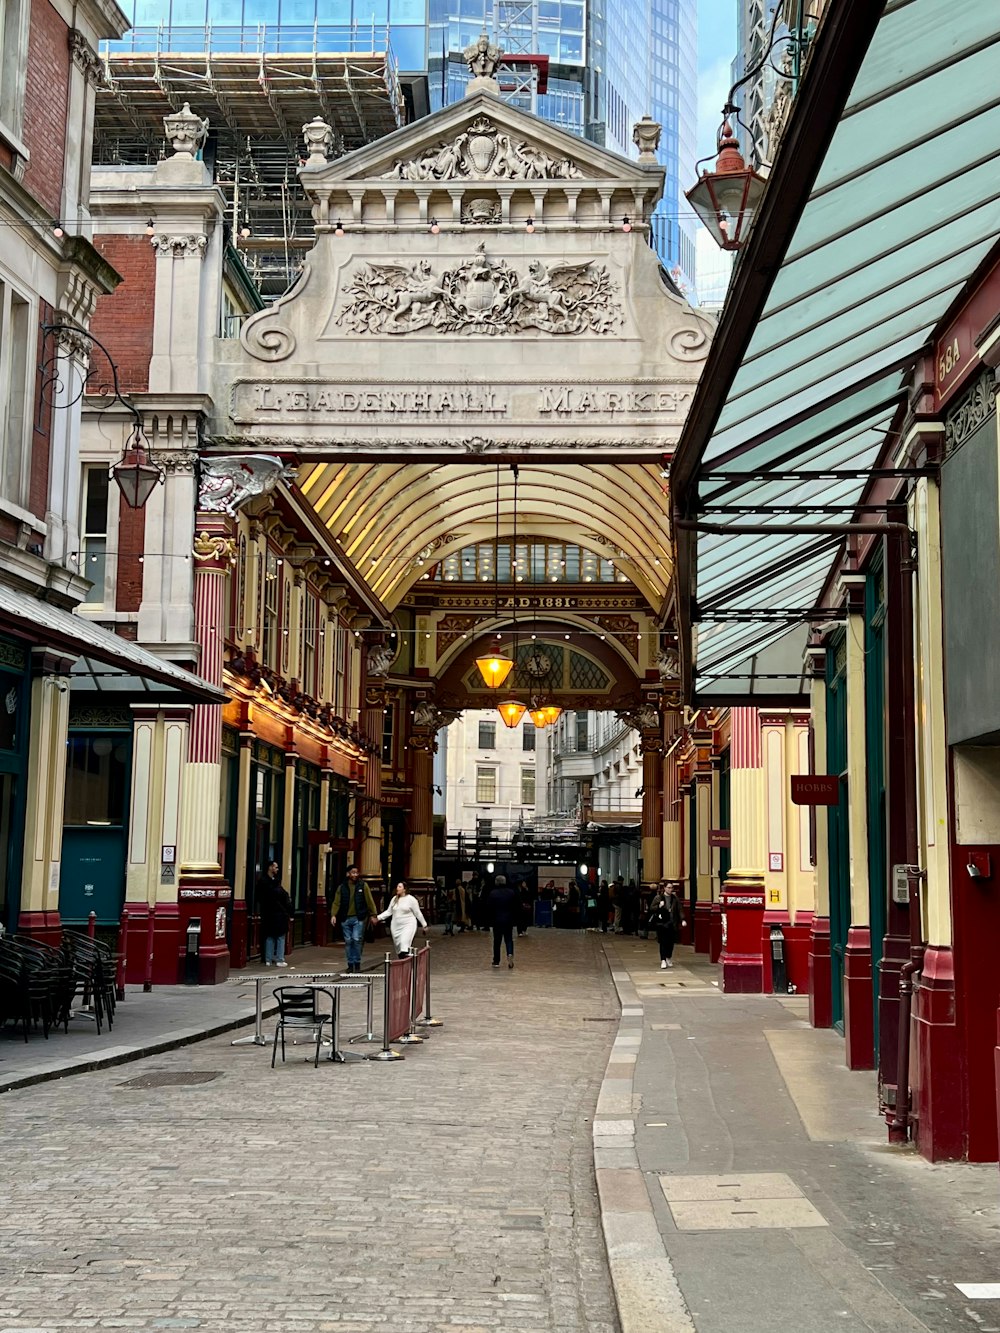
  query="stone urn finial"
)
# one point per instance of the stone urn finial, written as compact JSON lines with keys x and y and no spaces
{"x":483,"y":59}
{"x":185,"y":131}
{"x":646,"y":137}
{"x":319,"y":141}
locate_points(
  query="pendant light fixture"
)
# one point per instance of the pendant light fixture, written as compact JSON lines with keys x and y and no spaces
{"x":551,"y":713}
{"x":511,"y":710}
{"x":540,"y":716}
{"x":495,"y":667}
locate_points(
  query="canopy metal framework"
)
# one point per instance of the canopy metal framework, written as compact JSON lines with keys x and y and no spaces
{"x":392,"y":519}
{"x":883,"y":203}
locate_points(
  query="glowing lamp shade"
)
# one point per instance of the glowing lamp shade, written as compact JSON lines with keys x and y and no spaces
{"x":511,"y":712}
{"x":494,"y":669}
{"x":551,"y":713}
{"x":540,"y":717}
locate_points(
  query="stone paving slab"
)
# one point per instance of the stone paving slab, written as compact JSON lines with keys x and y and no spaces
{"x":453,"y":1191}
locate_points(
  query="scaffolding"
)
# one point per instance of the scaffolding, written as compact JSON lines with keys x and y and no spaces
{"x":257,"y":86}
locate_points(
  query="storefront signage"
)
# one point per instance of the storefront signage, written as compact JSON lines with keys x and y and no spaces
{"x":720,"y":837}
{"x":222,"y":894}
{"x":743,"y":900}
{"x":958,"y":349}
{"x":815,"y":789}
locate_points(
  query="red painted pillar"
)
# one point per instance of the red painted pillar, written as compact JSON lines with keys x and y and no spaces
{"x":743,"y":892}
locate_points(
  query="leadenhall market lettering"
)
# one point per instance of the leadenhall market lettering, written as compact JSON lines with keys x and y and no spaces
{"x":295,"y":400}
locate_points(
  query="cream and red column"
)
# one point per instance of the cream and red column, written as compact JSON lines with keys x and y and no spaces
{"x":820,"y":974}
{"x":672,"y":860}
{"x":370,"y":822}
{"x":203,"y":893}
{"x":651,"y":745}
{"x":743,"y":891}
{"x":420,"y":874}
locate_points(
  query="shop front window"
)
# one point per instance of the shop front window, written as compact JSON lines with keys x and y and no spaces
{"x":96,"y":780}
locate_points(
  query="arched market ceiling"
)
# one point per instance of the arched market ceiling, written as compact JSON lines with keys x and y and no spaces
{"x":386,"y":516}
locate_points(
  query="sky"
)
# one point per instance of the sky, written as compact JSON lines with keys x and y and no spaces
{"x":716,"y":49}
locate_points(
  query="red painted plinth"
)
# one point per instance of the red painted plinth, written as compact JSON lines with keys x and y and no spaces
{"x":820,"y":976}
{"x":205,"y":899}
{"x":769,"y":919}
{"x":322,"y":933}
{"x":741,"y":958}
{"x":939,"y":1087}
{"x":715,"y":933}
{"x":896,"y":951}
{"x":859,"y":1000}
{"x":45,"y":927}
{"x":797,"y":935}
{"x":238,"y":934}
{"x":702,"y":926}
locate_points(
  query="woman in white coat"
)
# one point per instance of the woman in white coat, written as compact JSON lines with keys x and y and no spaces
{"x":404,"y":915}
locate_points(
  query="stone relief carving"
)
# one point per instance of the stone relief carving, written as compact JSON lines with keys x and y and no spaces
{"x":208,"y":546}
{"x":484,"y":152}
{"x":482,"y":57}
{"x":380,"y":659}
{"x":85,"y":57}
{"x":438,"y":544}
{"x":691,"y":343}
{"x":179,"y":247}
{"x":226,"y":484}
{"x":481,"y":295}
{"x":668,"y":664}
{"x":269,"y":341}
{"x":481,"y":212}
{"x":425,"y":715}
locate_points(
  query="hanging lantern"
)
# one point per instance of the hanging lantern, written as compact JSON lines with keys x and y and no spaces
{"x":511,"y":712}
{"x":540,"y":717}
{"x":136,"y":473}
{"x":494,"y":669}
{"x":726,"y":199}
{"x":551,"y":713}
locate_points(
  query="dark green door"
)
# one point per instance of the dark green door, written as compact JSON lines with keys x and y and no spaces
{"x":95,"y":826}
{"x":840,"y":875}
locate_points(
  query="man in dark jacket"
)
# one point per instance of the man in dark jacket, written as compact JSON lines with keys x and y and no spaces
{"x":275,"y":908}
{"x":502,"y":907}
{"x":354,"y":906}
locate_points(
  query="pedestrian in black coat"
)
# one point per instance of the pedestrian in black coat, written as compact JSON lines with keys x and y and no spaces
{"x":503,"y":906}
{"x":276,"y":911}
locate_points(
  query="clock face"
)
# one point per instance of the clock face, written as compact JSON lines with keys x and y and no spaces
{"x":538,"y":665}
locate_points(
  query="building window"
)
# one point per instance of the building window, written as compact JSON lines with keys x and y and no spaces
{"x":269,"y":629}
{"x":582,"y":737}
{"x":339,"y":649}
{"x":484,"y":828}
{"x":528,"y":738}
{"x":13,"y":63}
{"x":96,"y":781}
{"x":94,"y":532}
{"x":486,"y":786}
{"x":15,"y":361}
{"x":310,"y":635}
{"x":487,"y":735}
{"x":527,"y":786}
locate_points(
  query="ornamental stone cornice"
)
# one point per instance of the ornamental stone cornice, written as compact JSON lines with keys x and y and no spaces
{"x":85,"y":58}
{"x":179,"y":245}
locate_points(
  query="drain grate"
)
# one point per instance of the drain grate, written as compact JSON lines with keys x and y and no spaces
{"x":600,"y":1020}
{"x":168,"y":1080}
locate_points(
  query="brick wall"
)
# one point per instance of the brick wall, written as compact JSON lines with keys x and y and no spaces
{"x":131,"y":537}
{"x":124,"y":320}
{"x":46,"y":101}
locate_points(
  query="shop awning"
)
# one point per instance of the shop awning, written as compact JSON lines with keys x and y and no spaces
{"x":94,"y":648}
{"x":883,"y":202}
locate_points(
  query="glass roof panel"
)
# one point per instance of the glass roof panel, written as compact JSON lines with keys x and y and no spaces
{"x":915,"y":115}
{"x":812,"y":314}
{"x":911,"y":38}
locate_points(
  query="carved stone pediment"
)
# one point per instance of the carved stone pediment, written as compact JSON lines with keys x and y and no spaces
{"x":484,"y":152}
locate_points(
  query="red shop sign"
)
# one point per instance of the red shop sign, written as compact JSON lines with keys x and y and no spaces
{"x":815,"y":789}
{"x":720,"y":837}
{"x":956,"y":349}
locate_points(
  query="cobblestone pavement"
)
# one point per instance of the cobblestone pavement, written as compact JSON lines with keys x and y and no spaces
{"x":452,"y":1192}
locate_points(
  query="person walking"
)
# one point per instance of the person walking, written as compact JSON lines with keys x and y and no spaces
{"x":502,"y":908}
{"x":448,"y":896}
{"x":404,"y":915}
{"x":275,"y":908}
{"x":524,"y":902}
{"x":354,"y":906}
{"x":666,"y":917}
{"x":461,"y":907}
{"x":603,"y":905}
{"x":618,"y":904}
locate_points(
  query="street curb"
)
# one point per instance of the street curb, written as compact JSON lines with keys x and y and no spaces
{"x":122,"y":1055}
{"x":648,"y":1297}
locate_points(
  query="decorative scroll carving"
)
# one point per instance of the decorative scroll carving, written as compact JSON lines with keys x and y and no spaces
{"x":216,"y":548}
{"x":482,"y":296}
{"x":482,"y":212}
{"x":427,"y":552}
{"x":179,"y":247}
{"x":482,"y":152}
{"x":226,"y":484}
{"x":85,"y":58}
{"x":691,"y":343}
{"x":971,"y":411}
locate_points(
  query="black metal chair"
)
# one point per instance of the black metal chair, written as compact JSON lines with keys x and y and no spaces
{"x":299,"y":1009}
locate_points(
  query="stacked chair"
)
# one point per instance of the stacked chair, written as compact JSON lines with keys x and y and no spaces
{"x":40,"y":985}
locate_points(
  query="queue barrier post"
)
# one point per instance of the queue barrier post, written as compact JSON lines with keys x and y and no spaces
{"x":369,"y":1034}
{"x":122,"y":956}
{"x":386,"y":1053}
{"x":147,"y":984}
{"x":428,"y":1020}
{"x":412,"y":1037}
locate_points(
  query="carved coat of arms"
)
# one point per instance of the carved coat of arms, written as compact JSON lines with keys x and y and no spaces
{"x":481,"y":296}
{"x":483,"y":152}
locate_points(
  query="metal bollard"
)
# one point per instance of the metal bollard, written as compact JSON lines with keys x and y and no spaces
{"x":92,"y":925}
{"x":147,"y":984}
{"x":122,"y":956}
{"x":386,"y":1053}
{"x":412,"y":1038}
{"x":428,"y":1021}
